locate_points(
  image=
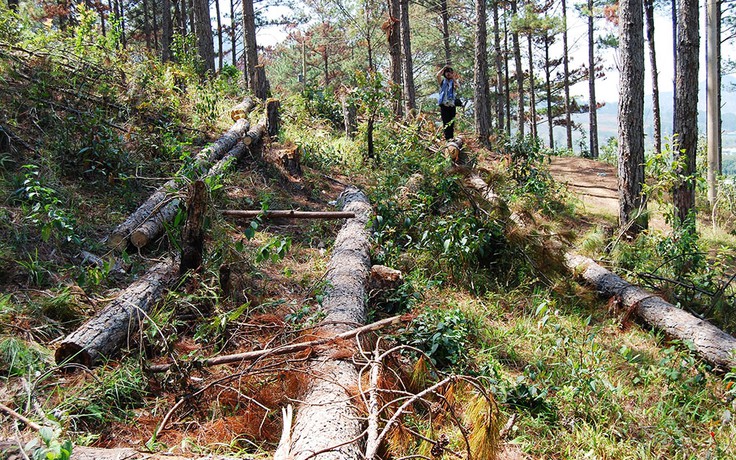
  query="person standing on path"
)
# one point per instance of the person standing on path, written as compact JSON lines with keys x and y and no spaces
{"x":448,"y":81}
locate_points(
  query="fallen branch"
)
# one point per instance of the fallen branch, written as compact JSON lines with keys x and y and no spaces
{"x":286,"y":349}
{"x":19,"y":417}
{"x":291,"y":214}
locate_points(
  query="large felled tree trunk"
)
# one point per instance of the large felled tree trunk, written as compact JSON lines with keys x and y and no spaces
{"x":714,"y":345}
{"x":686,"y":111}
{"x":631,"y":118}
{"x":112,"y":328}
{"x":327,"y":422}
{"x":480,"y":86}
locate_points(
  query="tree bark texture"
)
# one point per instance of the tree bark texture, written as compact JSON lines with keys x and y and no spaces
{"x":254,"y":136}
{"x":9,"y":450}
{"x":532,"y":89}
{"x":519,"y":72}
{"x":631,"y":117}
{"x":548,"y":88}
{"x":408,"y":67}
{"x":566,"y":74}
{"x":713,"y":95}
{"x":712,"y":344}
{"x":120,"y":236}
{"x":393,"y":36}
{"x":261,"y":86}
{"x":593,"y":111}
{"x":656,"y":115}
{"x":327,"y":418}
{"x":203,"y":32}
{"x":113,"y":327}
{"x":220,"y":51}
{"x":499,"y":61}
{"x":480,"y":82}
{"x":273,"y":117}
{"x":250,"y":53}
{"x":686,"y":111}
{"x":192,"y":236}
{"x":243,"y":109}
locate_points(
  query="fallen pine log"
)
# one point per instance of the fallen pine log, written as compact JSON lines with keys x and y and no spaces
{"x":327,"y":425}
{"x":119,"y":237}
{"x":104,"y":334}
{"x":242,"y":110}
{"x":287,"y":349}
{"x":291,"y":214}
{"x":255,"y":134}
{"x":153,"y":226}
{"x":711,"y":343}
{"x":454,"y":149}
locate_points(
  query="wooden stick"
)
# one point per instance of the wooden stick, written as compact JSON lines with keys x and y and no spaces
{"x":253,"y":355}
{"x":17,"y":416}
{"x":288,"y":214}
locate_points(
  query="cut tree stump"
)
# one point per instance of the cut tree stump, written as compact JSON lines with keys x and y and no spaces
{"x":154,"y":225}
{"x":290,"y":160}
{"x":273,"y":118}
{"x":711,"y":343}
{"x":119,"y":237}
{"x":327,"y":424}
{"x":192,"y":236}
{"x":261,"y":86}
{"x":108,"y":331}
{"x":454,"y":149}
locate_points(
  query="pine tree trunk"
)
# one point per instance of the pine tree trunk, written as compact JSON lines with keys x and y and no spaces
{"x":631,"y":117}
{"x":203,"y":31}
{"x":155,"y":26}
{"x":498,"y":58}
{"x":566,"y":74}
{"x":711,"y":343}
{"x":713,"y":96}
{"x":233,"y":30}
{"x":480,"y":90}
{"x":146,"y":29}
{"x":593,"y":111}
{"x":167,"y":32}
{"x":519,"y":71}
{"x":686,"y":112}
{"x":393,"y":33}
{"x":532,"y":89}
{"x":445,"y":15}
{"x":327,"y":421}
{"x":409,"y":90}
{"x":507,"y":77}
{"x":674,"y":62}
{"x":220,"y":53}
{"x":115,"y":325}
{"x":656,"y":115}
{"x":548,"y":88}
{"x":250,"y":51}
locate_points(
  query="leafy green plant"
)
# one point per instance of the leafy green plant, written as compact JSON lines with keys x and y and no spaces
{"x":443,"y":335}
{"x":274,"y":249}
{"x":50,"y":447}
{"x":18,"y":358}
{"x":43,"y":207}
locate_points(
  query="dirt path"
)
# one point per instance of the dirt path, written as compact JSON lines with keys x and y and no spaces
{"x":594,"y":183}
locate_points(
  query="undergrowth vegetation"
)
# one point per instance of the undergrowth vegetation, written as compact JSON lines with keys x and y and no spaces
{"x":95,"y":128}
